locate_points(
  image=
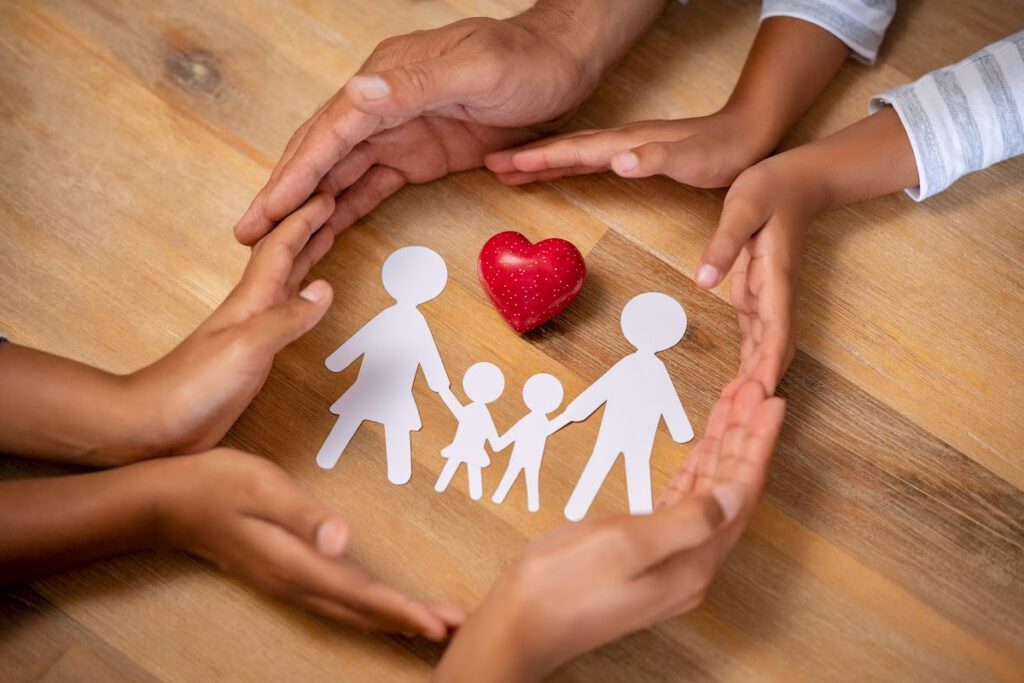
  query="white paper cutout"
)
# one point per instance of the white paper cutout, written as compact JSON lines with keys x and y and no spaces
{"x":637,"y":393}
{"x":483,"y":384}
{"x":394,"y":344}
{"x":542,"y":394}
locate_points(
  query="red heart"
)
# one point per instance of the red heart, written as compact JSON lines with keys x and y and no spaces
{"x":530,"y":283}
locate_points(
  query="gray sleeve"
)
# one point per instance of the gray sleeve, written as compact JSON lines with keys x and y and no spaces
{"x":964,"y":117}
{"x":861,"y":24}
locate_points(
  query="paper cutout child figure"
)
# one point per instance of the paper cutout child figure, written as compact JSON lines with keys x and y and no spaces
{"x":483,"y":384}
{"x":637,"y":393}
{"x":542,"y":393}
{"x":394,"y":344}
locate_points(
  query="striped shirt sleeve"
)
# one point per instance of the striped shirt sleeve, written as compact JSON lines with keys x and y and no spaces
{"x":964,"y":117}
{"x":861,"y":24}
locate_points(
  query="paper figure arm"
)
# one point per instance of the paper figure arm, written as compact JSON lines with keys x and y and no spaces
{"x":354,"y":346}
{"x":492,"y":433}
{"x":506,"y":439}
{"x":592,"y":398}
{"x":672,"y":410}
{"x":430,"y":360}
{"x":451,"y":401}
{"x":557,"y":423}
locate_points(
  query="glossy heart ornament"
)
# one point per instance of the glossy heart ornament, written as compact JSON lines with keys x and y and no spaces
{"x":530,"y":283}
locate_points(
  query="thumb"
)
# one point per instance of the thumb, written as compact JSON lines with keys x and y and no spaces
{"x":686,"y":161}
{"x":741,"y":218}
{"x":408,"y":90}
{"x":279,"y":326}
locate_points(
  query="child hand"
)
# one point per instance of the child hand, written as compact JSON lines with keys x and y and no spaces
{"x":760,"y":238}
{"x":244,"y":514}
{"x":589,"y":583}
{"x":709,"y":151}
{"x":193,"y":395}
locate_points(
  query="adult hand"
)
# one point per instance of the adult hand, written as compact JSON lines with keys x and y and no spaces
{"x":586,"y":584}
{"x":191,"y":397}
{"x":709,"y":151}
{"x":244,"y":514}
{"x":433,"y":102}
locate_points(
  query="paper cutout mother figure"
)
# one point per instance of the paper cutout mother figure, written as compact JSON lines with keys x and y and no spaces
{"x":394,"y":345}
{"x":637,"y":393}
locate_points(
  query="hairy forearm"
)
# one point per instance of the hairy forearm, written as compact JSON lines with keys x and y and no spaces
{"x":597,"y":32}
{"x":58,"y":409}
{"x":49,"y":525}
{"x":788,"y":66}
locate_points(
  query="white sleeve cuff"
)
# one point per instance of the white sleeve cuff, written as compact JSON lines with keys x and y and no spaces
{"x":861,"y":24}
{"x":964,"y":117}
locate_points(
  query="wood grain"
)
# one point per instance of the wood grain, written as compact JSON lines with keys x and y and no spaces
{"x":890,"y":543}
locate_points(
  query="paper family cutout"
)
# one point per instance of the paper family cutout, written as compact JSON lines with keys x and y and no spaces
{"x":637,"y":393}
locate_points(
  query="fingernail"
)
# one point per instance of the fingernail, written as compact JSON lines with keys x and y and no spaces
{"x":625,"y":162}
{"x":371,"y":87}
{"x":313,"y":292}
{"x":730,"y":499}
{"x":331,"y":537}
{"x":707,"y":276}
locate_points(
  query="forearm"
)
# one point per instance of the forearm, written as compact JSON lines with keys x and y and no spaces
{"x":488,"y":647}
{"x":788,"y":66}
{"x":873,"y":157}
{"x":52,"y":524}
{"x":59,"y":409}
{"x":598,"y":33}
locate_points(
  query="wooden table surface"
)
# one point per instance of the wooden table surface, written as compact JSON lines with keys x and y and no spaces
{"x":890,"y":541}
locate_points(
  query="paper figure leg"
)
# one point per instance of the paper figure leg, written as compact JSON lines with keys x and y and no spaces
{"x":532,"y":477}
{"x":638,"y":483}
{"x":506,"y":485}
{"x":476,"y":482}
{"x":446,"y":475}
{"x":337,"y":441}
{"x":590,"y":482}
{"x":396,"y":444}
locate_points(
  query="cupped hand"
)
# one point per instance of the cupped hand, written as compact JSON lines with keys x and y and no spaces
{"x":760,"y":239}
{"x":586,"y":584}
{"x":424,"y":105}
{"x":192,"y":396}
{"x":709,"y":151}
{"x":244,"y":514}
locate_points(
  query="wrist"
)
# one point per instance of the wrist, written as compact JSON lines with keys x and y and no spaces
{"x":747,"y":122}
{"x":497,"y":643}
{"x":592,"y":34}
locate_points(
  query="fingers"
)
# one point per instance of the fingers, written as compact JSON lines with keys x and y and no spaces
{"x":347,"y":171}
{"x":330,"y":138}
{"x":253,"y":224}
{"x":379,"y":183}
{"x":740,"y":220}
{"x":417,"y":87}
{"x":522,"y":178}
{"x":686,"y":161}
{"x":288,"y":567}
{"x":346,"y":583}
{"x":315,"y":249}
{"x":278,"y":501}
{"x":672,"y":529}
{"x":272,"y":330}
{"x":274,"y":256}
{"x":759,"y":447}
{"x":775,"y":310}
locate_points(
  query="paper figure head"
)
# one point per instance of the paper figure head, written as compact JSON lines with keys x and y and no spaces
{"x":414,"y":275}
{"x":653,"y":322}
{"x":542,"y":393}
{"x":483,"y":382}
